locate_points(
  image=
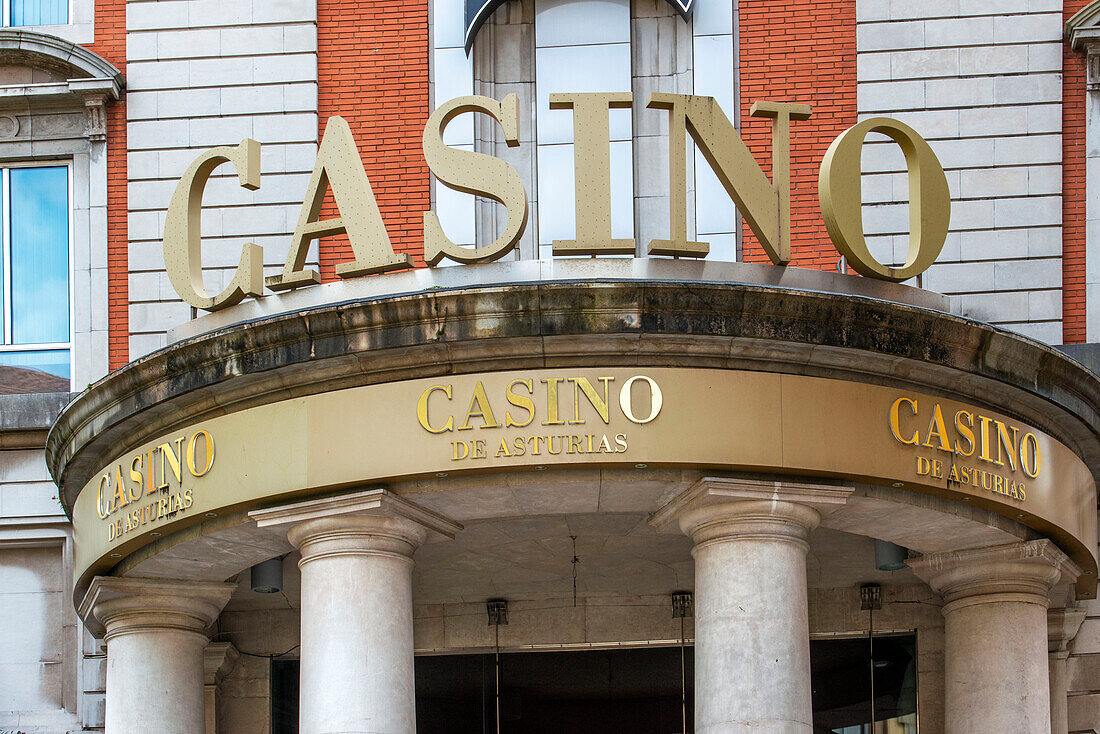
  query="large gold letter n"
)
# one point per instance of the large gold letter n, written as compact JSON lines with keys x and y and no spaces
{"x":766,"y":205}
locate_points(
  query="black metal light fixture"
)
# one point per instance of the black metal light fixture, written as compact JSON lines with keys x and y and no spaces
{"x":497,"y":610}
{"x":683,"y":606}
{"x":870,"y":600}
{"x":267,"y":577}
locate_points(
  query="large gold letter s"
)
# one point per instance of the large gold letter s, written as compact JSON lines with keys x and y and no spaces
{"x":183,"y":231}
{"x":475,"y":173}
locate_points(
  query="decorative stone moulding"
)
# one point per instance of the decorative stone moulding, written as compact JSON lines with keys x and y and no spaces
{"x":90,"y":80}
{"x":1082,"y":33}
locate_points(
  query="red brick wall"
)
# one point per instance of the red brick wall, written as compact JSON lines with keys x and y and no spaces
{"x":110,"y":43}
{"x":1073,"y":188}
{"x":799,"y":51}
{"x":372,"y":70}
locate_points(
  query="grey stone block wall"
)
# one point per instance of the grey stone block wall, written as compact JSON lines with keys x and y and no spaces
{"x":203,"y":73}
{"x":982,"y":82}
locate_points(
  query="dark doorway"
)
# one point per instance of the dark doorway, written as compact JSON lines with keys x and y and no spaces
{"x":841,"y":680}
{"x":635,"y":691}
{"x":587,"y":692}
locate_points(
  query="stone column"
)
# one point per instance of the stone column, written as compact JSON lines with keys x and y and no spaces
{"x":357,"y":630}
{"x":217,"y":661}
{"x":752,"y":646}
{"x":155,"y":630}
{"x":1062,"y":627}
{"x":996,"y":674}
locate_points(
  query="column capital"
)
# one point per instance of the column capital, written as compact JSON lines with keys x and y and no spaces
{"x":119,"y":605}
{"x":218,"y":660}
{"x":1062,"y":626}
{"x":1017,"y":572}
{"x":717,"y":507}
{"x":374,"y":521}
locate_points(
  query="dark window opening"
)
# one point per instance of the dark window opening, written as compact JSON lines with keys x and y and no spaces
{"x":841,"y":681}
{"x":628,"y":690}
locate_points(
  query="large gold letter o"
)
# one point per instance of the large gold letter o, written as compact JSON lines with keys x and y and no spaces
{"x":841,"y":194}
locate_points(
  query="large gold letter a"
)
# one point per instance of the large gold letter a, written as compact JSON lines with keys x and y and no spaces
{"x":339,"y":166}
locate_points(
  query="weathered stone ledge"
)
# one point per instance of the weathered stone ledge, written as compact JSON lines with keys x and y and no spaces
{"x":25,"y":419}
{"x":528,"y":326}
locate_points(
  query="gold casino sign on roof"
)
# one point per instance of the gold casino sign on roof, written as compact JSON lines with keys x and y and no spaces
{"x":765,"y":204}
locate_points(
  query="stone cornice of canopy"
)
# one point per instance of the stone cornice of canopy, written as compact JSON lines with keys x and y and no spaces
{"x":598,"y":322}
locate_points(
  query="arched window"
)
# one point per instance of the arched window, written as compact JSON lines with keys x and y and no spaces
{"x":534,"y":48}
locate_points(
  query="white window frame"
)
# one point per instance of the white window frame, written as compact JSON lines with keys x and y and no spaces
{"x":5,"y":5}
{"x":6,"y":347}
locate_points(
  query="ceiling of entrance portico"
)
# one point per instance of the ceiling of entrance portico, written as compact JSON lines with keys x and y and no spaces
{"x":618,"y":556}
{"x":621,"y":555}
{"x":516,"y":542}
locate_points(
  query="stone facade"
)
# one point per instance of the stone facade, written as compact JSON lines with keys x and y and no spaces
{"x":133,"y":90}
{"x":981,"y":83}
{"x":202,"y":74}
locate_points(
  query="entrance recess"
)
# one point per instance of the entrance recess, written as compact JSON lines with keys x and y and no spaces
{"x":636,"y":690}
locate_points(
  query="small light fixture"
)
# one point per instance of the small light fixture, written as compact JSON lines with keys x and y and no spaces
{"x":267,"y":577}
{"x":497,"y":609}
{"x":898,"y":484}
{"x":155,"y":534}
{"x":640,"y":466}
{"x":964,"y":499}
{"x":870,"y":597}
{"x":116,"y":555}
{"x":889,"y":556}
{"x":211,"y":514}
{"x":683,"y":605}
{"x":539,"y":468}
{"x":441,"y":474}
{"x":1020,"y":515}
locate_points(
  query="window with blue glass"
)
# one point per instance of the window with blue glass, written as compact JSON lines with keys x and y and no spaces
{"x":35,"y":12}
{"x":34,"y":272}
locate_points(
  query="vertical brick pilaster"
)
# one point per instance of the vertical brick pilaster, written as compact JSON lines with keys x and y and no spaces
{"x":799,"y":51}
{"x":110,"y":43}
{"x":372,"y":70}
{"x":1073,"y":188}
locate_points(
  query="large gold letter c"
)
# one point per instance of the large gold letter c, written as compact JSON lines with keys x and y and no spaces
{"x":183,"y":231}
